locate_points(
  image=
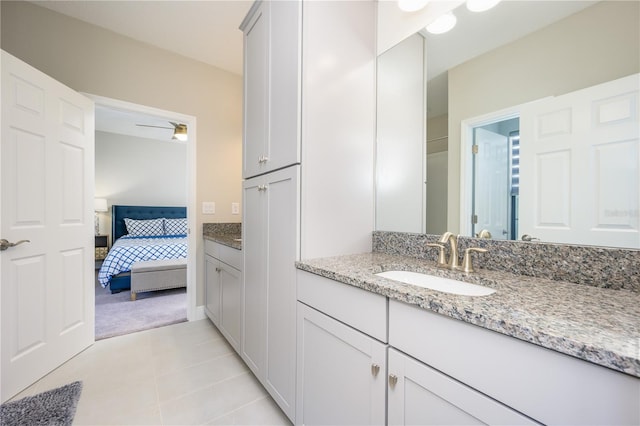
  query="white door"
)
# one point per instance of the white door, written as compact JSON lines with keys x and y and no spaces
{"x":491,"y":186}
{"x":47,"y":179}
{"x":580,"y":166}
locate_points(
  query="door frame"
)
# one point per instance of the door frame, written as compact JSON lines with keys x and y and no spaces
{"x":466,"y":160}
{"x":190,"y":121}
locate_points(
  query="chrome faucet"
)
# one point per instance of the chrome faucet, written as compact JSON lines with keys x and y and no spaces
{"x":452,"y":240}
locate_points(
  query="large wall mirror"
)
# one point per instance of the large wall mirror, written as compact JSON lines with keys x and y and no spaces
{"x":463,"y":117}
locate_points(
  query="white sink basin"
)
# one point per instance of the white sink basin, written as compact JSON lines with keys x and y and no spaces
{"x":432,"y":282}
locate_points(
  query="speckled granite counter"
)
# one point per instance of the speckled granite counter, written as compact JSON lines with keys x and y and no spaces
{"x":594,"y":324}
{"x":228,"y":234}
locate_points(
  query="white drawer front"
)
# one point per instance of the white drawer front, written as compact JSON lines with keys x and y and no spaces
{"x":550,"y":387}
{"x":362,"y":310}
{"x":230,"y":256}
{"x":211,"y":248}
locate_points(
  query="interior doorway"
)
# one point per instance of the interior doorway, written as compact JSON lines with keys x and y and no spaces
{"x":162,"y":118}
{"x":490,"y":175}
{"x":495,"y":191}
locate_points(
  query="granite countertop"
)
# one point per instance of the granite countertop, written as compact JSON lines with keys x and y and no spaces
{"x":228,"y":234}
{"x":598,"y":325}
{"x":231,"y":240}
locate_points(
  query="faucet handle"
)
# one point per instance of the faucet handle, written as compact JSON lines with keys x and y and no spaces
{"x":442,"y":261}
{"x":467,"y":262}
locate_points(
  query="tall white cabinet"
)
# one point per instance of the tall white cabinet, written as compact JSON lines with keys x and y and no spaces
{"x":270,"y":249}
{"x":309,"y":130}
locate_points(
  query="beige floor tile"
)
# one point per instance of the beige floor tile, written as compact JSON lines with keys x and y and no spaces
{"x":118,"y":416}
{"x":195,"y":377}
{"x":213,"y":401}
{"x":261,"y":412}
{"x":182,"y":357}
{"x":197,"y":373}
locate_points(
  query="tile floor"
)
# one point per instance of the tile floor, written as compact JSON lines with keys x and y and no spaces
{"x":183,"y":374}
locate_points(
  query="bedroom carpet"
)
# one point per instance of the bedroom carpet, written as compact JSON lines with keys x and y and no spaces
{"x":116,"y":314}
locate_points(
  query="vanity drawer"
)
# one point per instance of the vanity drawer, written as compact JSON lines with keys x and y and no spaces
{"x":360,"y":309}
{"x":548,"y":386}
{"x":230,"y":256}
{"x":211,"y":248}
{"x":226,"y":254}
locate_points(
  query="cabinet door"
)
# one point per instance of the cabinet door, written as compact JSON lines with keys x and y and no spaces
{"x":420,"y":395}
{"x":281,"y":253}
{"x":254,"y":272}
{"x":212,"y":289}
{"x":341,"y":373}
{"x":231,"y":312}
{"x":256,"y":92}
{"x":283,"y":146}
{"x":272,"y":87}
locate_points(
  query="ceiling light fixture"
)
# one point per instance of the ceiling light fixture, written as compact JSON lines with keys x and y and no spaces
{"x":180,"y":132}
{"x":412,"y":5}
{"x":481,"y":5}
{"x":443,"y":24}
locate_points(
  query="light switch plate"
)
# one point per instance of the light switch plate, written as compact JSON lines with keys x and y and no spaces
{"x":208,"y":207}
{"x":235,"y":208}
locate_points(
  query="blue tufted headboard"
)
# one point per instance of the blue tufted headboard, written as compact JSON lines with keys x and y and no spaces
{"x":119,"y":213}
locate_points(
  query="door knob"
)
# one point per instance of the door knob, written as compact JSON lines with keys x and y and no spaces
{"x":4,"y":244}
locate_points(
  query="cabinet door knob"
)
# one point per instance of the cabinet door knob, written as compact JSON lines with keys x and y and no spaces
{"x":218,"y":269}
{"x":393,"y":379}
{"x":375,"y":369}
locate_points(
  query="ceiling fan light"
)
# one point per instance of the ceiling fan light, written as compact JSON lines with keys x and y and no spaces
{"x":481,"y":5}
{"x":442,"y":24}
{"x":180,"y":132}
{"x":412,"y":5}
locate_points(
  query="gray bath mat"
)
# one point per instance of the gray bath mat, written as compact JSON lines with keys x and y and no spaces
{"x":53,"y":407}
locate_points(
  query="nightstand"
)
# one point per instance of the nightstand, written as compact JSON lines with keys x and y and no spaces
{"x":102,"y":248}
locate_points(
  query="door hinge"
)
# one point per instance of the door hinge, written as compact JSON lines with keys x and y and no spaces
{"x":474,"y":149}
{"x":474,"y":219}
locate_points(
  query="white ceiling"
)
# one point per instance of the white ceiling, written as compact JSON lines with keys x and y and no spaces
{"x":127,"y":123}
{"x":478,"y":33}
{"x":207,"y":31}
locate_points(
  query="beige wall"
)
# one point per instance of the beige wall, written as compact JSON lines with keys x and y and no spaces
{"x":93,"y":60}
{"x":599,"y":44}
{"x":139,"y":171}
{"x":437,"y":134}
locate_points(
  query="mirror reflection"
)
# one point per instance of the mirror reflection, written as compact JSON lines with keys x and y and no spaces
{"x":478,"y":81}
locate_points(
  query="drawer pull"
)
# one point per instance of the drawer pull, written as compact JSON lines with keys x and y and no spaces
{"x":218,"y":269}
{"x":393,"y":379}
{"x":375,"y":369}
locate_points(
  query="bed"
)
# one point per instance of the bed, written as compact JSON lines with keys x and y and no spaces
{"x":128,"y":249}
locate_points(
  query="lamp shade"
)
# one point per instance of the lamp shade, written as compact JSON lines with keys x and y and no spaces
{"x":100,"y":205}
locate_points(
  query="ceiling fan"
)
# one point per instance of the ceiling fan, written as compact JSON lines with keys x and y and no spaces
{"x":179,"y":130}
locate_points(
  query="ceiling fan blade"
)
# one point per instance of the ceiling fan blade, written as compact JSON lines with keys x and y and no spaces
{"x":157,"y":127}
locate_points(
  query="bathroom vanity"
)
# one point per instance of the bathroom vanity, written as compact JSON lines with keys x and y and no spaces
{"x":536,"y":350}
{"x":223,"y":279}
